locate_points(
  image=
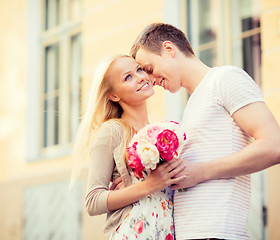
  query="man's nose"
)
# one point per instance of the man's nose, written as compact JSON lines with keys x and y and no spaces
{"x":155,"y":81}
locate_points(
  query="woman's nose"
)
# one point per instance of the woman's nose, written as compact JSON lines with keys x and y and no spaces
{"x":140,"y":78}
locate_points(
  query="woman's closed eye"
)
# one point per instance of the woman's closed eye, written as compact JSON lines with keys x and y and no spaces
{"x":148,"y":70}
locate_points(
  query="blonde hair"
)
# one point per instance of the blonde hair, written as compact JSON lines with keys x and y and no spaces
{"x":99,"y":110}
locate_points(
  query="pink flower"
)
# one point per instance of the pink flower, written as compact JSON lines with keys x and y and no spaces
{"x":138,"y":174}
{"x":141,"y":135}
{"x":133,"y":159}
{"x":138,"y":227}
{"x":169,"y":237}
{"x":167,"y":144}
{"x":153,"y":132}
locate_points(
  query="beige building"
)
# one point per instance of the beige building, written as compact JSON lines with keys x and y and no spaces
{"x":49,"y":49}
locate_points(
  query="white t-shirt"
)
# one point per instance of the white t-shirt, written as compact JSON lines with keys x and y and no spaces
{"x":216,"y":208}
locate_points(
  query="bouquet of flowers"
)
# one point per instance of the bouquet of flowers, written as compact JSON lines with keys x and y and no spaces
{"x":153,"y":144}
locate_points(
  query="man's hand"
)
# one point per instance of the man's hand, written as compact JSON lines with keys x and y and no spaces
{"x":116,"y":184}
{"x":194,"y":174}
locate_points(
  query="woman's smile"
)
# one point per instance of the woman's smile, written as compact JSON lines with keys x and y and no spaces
{"x":146,"y":85}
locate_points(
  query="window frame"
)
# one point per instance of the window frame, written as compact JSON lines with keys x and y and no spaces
{"x":61,"y":34}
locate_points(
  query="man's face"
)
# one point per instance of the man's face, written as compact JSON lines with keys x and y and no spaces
{"x":160,"y":68}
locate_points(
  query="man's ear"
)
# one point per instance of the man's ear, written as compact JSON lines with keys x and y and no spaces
{"x":169,"y":48}
{"x":113,"y":97}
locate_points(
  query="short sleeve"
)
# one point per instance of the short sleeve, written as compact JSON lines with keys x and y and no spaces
{"x":236,"y":89}
{"x":101,"y":167}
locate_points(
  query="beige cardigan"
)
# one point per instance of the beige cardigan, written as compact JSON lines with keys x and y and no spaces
{"x":106,"y":164}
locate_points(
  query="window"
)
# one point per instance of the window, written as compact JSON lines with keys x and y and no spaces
{"x":75,"y":85}
{"x":202,"y":29}
{"x":61,"y":74}
{"x":226,"y":32}
{"x":51,"y":95}
{"x":245,"y":36}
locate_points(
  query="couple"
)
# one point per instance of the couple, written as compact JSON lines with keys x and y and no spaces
{"x":224,"y":113}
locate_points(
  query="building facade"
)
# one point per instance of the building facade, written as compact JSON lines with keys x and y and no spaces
{"x":49,"y":50}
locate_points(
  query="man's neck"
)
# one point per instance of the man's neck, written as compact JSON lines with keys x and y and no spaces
{"x":193,"y":72}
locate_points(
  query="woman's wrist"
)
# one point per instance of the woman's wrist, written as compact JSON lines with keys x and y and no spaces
{"x":147,"y":187}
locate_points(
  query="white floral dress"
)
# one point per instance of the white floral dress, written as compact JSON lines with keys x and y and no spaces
{"x":151,"y":218}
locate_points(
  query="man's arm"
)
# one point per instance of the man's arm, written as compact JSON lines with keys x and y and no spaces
{"x":257,"y":121}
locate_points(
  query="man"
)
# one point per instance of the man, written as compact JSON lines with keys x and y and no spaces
{"x":224,"y":113}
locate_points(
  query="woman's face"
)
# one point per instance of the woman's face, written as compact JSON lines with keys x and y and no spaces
{"x":130,"y":84}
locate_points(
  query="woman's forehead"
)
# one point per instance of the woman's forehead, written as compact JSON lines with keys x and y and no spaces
{"x":122,"y":65}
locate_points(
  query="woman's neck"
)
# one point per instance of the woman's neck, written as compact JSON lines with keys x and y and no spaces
{"x":137,"y":116}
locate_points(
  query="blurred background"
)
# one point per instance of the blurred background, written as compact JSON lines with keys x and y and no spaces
{"x":49,"y":49}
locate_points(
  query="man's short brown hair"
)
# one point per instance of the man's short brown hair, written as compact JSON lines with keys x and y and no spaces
{"x":155,"y":34}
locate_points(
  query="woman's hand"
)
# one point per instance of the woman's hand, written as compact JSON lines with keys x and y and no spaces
{"x":158,"y":179}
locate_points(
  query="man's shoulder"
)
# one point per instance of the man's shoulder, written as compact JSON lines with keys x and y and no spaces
{"x":228,"y":69}
{"x":228,"y":73}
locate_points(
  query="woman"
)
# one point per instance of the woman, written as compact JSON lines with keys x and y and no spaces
{"x":117,"y":109}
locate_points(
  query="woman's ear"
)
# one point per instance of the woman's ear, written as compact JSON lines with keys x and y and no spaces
{"x":113,"y":97}
{"x":169,"y":48}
